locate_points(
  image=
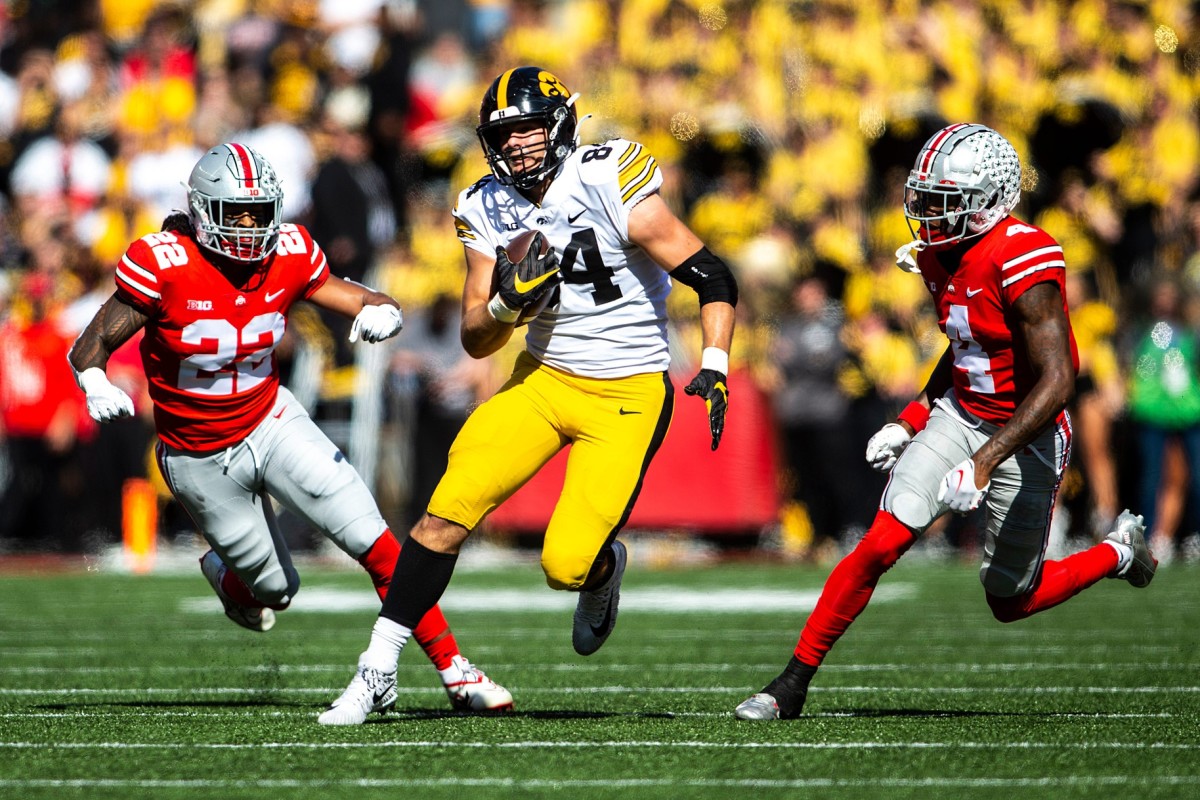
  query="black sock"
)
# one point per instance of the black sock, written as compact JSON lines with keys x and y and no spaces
{"x":791,"y":688}
{"x":420,"y":578}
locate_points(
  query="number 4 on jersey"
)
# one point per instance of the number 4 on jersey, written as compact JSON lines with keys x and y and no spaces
{"x":584,"y":248}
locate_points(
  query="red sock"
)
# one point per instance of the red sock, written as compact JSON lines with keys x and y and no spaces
{"x":432,"y":632}
{"x":1060,"y":581}
{"x":849,"y":586}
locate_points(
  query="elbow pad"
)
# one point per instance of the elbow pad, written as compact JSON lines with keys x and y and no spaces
{"x":709,"y":276}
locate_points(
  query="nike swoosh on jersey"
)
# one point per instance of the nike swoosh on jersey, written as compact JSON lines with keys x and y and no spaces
{"x":582,"y":211}
{"x":272,"y":296}
{"x":973,"y":292}
{"x":623,"y":412}
{"x":528,"y":286}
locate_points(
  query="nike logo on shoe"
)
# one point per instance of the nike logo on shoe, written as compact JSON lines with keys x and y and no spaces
{"x":577,"y":216}
{"x":528,"y":286}
{"x":605,"y":624}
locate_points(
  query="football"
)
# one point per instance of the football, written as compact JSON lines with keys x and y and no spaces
{"x":516,"y":251}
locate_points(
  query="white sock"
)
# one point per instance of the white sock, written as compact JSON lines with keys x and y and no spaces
{"x":1124,"y":556}
{"x":388,"y":638}
{"x":454,"y":672}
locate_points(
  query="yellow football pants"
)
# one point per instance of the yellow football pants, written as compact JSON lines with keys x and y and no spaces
{"x":615,"y":426}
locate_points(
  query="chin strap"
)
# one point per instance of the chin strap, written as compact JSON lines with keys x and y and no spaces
{"x":906,"y":258}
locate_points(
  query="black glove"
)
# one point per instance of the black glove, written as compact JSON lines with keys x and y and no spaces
{"x":533,"y":277}
{"x":710,"y":385}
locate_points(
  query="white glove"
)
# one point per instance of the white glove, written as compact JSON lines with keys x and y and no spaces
{"x":958,"y":489}
{"x":886,"y":446}
{"x":376,"y":323}
{"x":105,"y":402}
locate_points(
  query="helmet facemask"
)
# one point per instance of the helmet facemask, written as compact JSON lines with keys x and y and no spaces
{"x":219,"y":227}
{"x":966,"y":179}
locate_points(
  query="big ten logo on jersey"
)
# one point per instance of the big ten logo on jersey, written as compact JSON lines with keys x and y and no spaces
{"x":290,"y":240}
{"x":166,"y":249}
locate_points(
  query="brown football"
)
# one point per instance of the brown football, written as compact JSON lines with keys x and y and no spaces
{"x":516,"y":251}
{"x":518,"y":248}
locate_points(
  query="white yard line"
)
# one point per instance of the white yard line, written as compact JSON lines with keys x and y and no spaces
{"x":661,"y":599}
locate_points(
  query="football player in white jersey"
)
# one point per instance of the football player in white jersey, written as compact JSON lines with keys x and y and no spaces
{"x":594,"y":371}
{"x":990,"y":427}
{"x":213,"y":291}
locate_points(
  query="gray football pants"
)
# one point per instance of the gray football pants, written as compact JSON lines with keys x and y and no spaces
{"x":1018,"y":505}
{"x":288,"y":458}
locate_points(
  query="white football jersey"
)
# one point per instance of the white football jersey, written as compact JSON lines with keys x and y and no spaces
{"x":609,"y":316}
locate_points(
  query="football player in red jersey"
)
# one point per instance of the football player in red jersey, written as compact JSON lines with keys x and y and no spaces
{"x":213,"y":290}
{"x":990,"y":426}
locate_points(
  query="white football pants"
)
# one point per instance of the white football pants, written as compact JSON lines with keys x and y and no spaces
{"x":1019,"y":503}
{"x":288,"y":458}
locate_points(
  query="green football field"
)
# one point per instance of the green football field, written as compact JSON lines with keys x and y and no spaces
{"x":119,"y":686}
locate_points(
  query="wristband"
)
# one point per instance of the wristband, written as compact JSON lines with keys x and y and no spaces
{"x":915,"y":415}
{"x":92,"y":379}
{"x":716,"y":359}
{"x":501,"y":312}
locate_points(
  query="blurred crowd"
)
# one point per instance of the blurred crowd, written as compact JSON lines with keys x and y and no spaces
{"x":784,"y":128}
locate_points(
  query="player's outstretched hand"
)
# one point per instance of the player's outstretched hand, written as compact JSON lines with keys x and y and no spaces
{"x":959,"y":491}
{"x":376,"y":323}
{"x":524,"y":283}
{"x":885,"y":447}
{"x":711,"y":385}
{"x":105,"y":402}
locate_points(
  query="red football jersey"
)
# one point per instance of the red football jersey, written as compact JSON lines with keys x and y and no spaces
{"x":992,"y":374}
{"x":209,"y":346}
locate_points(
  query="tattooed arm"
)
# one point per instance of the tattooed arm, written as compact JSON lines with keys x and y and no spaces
{"x":1042,"y":326}
{"x":113,"y":325}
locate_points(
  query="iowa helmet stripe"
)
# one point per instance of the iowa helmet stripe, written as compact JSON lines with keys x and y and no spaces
{"x":502,"y":90}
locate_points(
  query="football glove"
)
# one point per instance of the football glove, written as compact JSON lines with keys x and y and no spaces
{"x":958,"y":489}
{"x":886,"y":446}
{"x":524,"y":283}
{"x":376,"y":323}
{"x":105,"y":402}
{"x":710,"y":385}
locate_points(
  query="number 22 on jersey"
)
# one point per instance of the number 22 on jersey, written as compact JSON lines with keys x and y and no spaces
{"x":220,"y":371}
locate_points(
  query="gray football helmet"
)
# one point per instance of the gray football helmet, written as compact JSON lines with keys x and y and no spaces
{"x":229,"y":181}
{"x":966,"y":178}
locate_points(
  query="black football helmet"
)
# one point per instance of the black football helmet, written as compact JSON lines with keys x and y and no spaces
{"x":520,"y":96}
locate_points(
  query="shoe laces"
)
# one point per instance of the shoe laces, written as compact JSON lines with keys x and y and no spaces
{"x":593,"y":604}
{"x":468,"y":674}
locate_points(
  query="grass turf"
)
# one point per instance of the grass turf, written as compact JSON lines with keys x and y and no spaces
{"x":110,"y":687}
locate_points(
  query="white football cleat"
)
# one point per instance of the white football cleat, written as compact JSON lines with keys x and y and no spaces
{"x":370,"y":690}
{"x":470,"y":689}
{"x":255,"y":619}
{"x":596,"y":611}
{"x":757,"y":706}
{"x":1131,"y":532}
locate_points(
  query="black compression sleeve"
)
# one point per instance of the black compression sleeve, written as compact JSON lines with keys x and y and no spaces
{"x":420,"y":578}
{"x":709,"y":276}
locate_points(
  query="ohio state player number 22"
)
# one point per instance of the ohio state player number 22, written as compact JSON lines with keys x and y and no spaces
{"x":234,"y":361}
